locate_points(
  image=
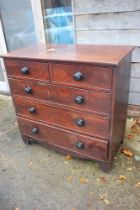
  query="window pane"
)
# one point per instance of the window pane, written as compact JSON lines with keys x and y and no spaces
{"x":18,"y":25}
{"x":58,"y":21}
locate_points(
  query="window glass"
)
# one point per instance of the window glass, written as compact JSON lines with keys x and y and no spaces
{"x":58,"y":21}
{"x":18,"y":24}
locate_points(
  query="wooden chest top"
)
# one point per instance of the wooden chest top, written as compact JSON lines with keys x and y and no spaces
{"x":97,"y":54}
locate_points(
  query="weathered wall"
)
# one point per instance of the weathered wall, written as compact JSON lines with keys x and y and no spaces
{"x":111,"y":22}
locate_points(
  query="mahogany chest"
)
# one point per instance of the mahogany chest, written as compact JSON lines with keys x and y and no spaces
{"x":72,"y":98}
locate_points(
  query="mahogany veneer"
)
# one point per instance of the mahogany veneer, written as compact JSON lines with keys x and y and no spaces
{"x":72,"y":98}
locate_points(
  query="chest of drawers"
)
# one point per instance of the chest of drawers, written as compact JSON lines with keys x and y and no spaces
{"x":72,"y":98}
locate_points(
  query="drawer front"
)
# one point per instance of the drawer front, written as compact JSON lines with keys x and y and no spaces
{"x":29,"y":89}
{"x":85,"y":146}
{"x":76,"y":98}
{"x":81,"y":99}
{"x":73,"y":120}
{"x":82,"y":76}
{"x":27,"y":69}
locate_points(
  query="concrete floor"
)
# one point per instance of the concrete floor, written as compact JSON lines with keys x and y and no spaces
{"x":35,"y":178}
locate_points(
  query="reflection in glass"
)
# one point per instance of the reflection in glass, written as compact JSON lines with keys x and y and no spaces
{"x":58,"y":21}
{"x":18,"y":25}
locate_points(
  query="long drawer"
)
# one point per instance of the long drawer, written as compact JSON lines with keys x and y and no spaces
{"x":84,"y":76}
{"x":85,"y":146}
{"x":80,"y":99}
{"x":73,"y":120}
{"x":27,"y":69}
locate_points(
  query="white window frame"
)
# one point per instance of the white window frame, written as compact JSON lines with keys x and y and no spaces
{"x":4,"y":86}
{"x":38,"y":21}
{"x":40,"y":34}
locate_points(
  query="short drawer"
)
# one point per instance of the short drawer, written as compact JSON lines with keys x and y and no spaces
{"x":84,"y":76}
{"x":30,"y":89}
{"x":94,"y":101}
{"x":73,"y":120}
{"x":82,"y":145}
{"x":26,"y":69}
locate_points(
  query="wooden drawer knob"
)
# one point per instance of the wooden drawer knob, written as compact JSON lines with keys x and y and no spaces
{"x":28,"y":90}
{"x":25,"y":70}
{"x":80,"y":145}
{"x":35,"y":130}
{"x":80,"y":122}
{"x":32,"y":110}
{"x":79,"y":99}
{"x":78,"y":76}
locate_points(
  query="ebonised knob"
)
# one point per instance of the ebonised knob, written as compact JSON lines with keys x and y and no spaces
{"x":80,"y":145}
{"x":80,"y":122}
{"x":79,"y":99}
{"x":25,"y":70}
{"x":28,"y":90}
{"x":35,"y":130}
{"x":32,"y":110}
{"x":78,"y":76}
